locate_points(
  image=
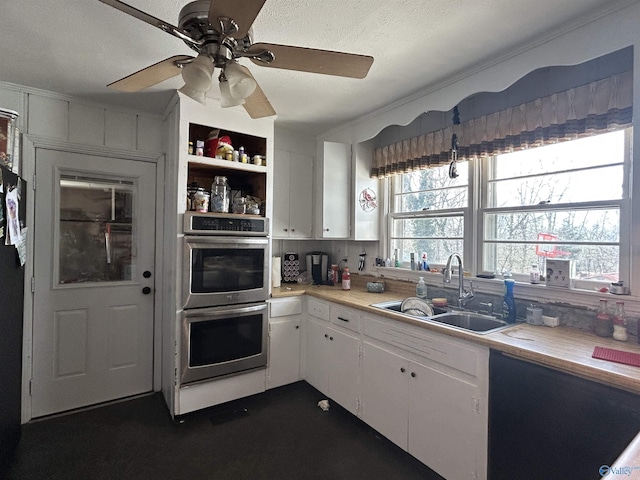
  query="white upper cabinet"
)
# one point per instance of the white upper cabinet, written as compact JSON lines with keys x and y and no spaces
{"x":366,"y":196}
{"x":292,"y":195}
{"x":334,"y":195}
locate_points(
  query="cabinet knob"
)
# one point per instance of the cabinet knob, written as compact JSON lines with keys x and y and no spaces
{"x":402,"y":369}
{"x":285,"y":229}
{"x":326,"y":229}
{"x":330,"y":338}
{"x":326,"y":336}
{"x":297,"y":327}
{"x":293,"y":229}
{"x":413,"y":374}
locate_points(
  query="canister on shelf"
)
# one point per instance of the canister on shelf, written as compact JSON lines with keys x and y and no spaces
{"x":192,"y":188}
{"x":201,"y":201}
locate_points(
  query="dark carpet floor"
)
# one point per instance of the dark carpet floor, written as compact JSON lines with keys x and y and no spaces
{"x":280,"y":434}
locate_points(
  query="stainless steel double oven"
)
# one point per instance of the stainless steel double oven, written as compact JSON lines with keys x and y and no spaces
{"x":225,"y":288}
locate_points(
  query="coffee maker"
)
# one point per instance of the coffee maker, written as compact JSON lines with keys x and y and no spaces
{"x":317,"y":265}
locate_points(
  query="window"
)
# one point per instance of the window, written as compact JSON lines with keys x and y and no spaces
{"x":562,"y":201}
{"x":557,"y":201}
{"x":430,"y":210}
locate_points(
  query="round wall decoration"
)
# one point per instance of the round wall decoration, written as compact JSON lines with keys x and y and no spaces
{"x":368,"y":200}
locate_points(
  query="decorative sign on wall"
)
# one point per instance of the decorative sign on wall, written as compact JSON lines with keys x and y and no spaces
{"x":368,"y":200}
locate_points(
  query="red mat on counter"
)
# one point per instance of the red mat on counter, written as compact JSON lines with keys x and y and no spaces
{"x":617,"y":356}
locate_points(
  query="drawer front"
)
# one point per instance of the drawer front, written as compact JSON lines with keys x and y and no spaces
{"x":346,"y":318}
{"x":285,"y":307}
{"x":427,"y":345}
{"x":318,"y":309}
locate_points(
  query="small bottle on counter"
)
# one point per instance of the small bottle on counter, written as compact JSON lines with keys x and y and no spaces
{"x":346,"y":279}
{"x":604,"y":323}
{"x":620,"y":323}
{"x":534,"y":274}
{"x":421,"y":289}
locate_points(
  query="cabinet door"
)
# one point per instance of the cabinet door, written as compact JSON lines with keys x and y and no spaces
{"x":336,"y":188}
{"x":445,"y":428}
{"x":300,"y":196}
{"x":384,"y":392}
{"x":281,"y":182}
{"x":344,"y":351}
{"x":318,"y":356}
{"x":284,"y":352}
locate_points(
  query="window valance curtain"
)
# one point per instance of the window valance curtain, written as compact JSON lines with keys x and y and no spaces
{"x":593,"y":108}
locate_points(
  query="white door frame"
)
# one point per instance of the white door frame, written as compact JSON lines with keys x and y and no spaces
{"x":30,"y":143}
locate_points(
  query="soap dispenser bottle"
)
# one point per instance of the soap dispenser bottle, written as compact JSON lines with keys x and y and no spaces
{"x":509,"y":302}
{"x":421,"y":289}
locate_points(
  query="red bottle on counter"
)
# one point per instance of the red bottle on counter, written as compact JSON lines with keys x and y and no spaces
{"x":346,"y":279}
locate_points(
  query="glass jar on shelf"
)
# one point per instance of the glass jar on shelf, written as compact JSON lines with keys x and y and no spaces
{"x":604,"y":322}
{"x":620,"y":323}
{"x":220,"y":191}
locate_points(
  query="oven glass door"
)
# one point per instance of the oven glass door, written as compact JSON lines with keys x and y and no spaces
{"x":225,"y":340}
{"x":222,"y":272}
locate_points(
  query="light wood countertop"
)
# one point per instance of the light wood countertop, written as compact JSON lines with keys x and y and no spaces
{"x":562,"y":348}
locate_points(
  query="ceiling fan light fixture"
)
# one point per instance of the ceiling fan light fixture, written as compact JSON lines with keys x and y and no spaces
{"x":197,"y":74}
{"x":241,"y":84}
{"x":226,"y":99}
{"x":193,"y":94}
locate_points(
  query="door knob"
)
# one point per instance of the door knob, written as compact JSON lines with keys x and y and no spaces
{"x":146,"y":290}
{"x":146,"y":274}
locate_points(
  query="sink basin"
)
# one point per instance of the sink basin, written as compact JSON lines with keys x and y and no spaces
{"x":476,"y":322}
{"x":463,"y":320}
{"x":395,"y":306}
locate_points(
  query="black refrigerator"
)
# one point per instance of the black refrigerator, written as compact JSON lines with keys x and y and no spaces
{"x":11,"y":312}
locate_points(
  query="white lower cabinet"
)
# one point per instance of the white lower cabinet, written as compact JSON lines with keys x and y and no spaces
{"x":425,"y":391}
{"x":385,"y":393}
{"x":333,"y":364}
{"x":435,"y":412}
{"x":285,"y":316}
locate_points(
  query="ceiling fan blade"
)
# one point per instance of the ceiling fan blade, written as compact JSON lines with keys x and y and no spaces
{"x":151,"y":20}
{"x":243,"y":12}
{"x":151,"y":75}
{"x":313,"y":60}
{"x":257,"y":104}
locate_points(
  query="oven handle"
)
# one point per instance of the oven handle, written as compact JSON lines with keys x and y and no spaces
{"x":209,"y":313}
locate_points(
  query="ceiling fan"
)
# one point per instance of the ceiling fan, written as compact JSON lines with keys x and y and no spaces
{"x":220,"y":32}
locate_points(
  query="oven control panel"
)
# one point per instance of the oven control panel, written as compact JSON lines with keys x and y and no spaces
{"x":225,"y":224}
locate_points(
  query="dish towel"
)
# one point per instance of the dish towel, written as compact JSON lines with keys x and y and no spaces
{"x":617,"y":356}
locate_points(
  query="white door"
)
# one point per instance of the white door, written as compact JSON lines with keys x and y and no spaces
{"x":94,"y":280}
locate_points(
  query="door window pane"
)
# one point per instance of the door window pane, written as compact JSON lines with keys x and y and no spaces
{"x":95,"y":229}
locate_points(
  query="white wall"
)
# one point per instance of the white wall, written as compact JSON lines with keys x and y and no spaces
{"x":55,"y":121}
{"x":579,"y":41}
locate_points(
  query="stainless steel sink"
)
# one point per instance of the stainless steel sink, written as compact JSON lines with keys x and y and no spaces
{"x":476,"y":322}
{"x":464,"y":320}
{"x":395,"y":306}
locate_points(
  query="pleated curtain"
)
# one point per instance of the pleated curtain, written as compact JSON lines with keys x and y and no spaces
{"x":597,"y":107}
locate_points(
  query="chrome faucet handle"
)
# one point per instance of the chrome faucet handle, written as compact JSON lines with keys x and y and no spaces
{"x":489,"y":306}
{"x":469,"y":294}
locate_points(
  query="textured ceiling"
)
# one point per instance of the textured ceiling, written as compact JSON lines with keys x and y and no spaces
{"x":77,"y":47}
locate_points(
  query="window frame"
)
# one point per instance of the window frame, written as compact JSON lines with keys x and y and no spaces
{"x":475,"y":212}
{"x":465,"y":212}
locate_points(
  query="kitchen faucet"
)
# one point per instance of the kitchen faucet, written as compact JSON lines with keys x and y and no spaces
{"x":463,"y":295}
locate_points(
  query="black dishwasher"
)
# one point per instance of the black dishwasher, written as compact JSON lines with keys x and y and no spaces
{"x":546,"y":424}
